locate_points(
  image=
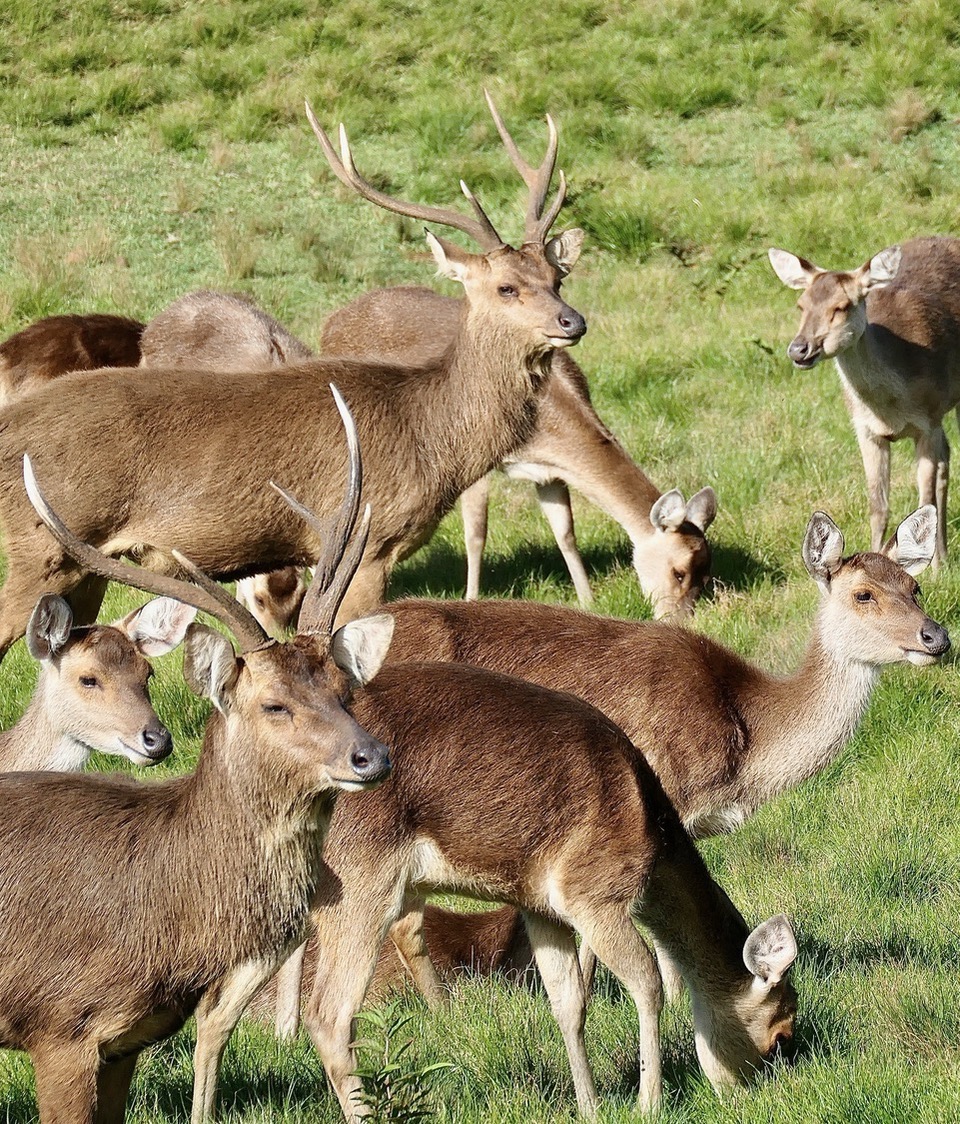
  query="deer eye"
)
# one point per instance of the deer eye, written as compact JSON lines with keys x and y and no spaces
{"x":863,"y":596}
{"x":679,"y":576}
{"x":507,"y":291}
{"x":89,"y":681}
{"x":275,"y":709}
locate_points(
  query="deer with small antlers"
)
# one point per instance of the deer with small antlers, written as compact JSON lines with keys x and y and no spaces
{"x":181,"y":469}
{"x":92,"y":692}
{"x":893,"y":326}
{"x":570,"y":446}
{"x":138,"y":903}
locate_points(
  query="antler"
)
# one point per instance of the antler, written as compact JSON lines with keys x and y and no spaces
{"x":205,"y":595}
{"x":480,"y":229}
{"x":536,"y":179}
{"x":336,"y":567}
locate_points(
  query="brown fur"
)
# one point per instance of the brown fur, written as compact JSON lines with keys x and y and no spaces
{"x":58,"y":344}
{"x":570,"y":445}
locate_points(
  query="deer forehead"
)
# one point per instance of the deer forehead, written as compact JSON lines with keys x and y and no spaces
{"x":302,"y":670}
{"x":828,"y":292}
{"x":527,"y":267}
{"x":106,"y":651}
{"x":876,"y":573}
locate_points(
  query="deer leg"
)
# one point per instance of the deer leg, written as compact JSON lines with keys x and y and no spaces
{"x":933,"y":475}
{"x":611,"y":933}
{"x":555,"y":950}
{"x":588,"y":966}
{"x":86,"y":598}
{"x":113,"y":1088}
{"x":217,"y":1014}
{"x":66,"y":1078}
{"x":555,"y":503}
{"x":670,"y":974}
{"x":875,"y":451}
{"x":367,"y":590}
{"x":407,"y":936}
{"x":29,"y":575}
{"x":474,"y":505}
{"x":289,"y":987}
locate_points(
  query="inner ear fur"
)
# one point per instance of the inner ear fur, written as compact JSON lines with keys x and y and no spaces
{"x":210,"y":665}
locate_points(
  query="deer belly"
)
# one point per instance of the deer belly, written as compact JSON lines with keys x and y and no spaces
{"x":529,"y":470}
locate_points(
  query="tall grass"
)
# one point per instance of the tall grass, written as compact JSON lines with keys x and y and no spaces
{"x":150,"y":147}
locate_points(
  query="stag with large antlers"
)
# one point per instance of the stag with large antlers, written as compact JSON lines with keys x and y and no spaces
{"x":179,"y":457}
{"x":135,"y":903}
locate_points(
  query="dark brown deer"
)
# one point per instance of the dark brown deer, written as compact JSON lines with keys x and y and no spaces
{"x":179,"y":468}
{"x":55,"y":345}
{"x":570,"y":446}
{"x":92,"y":692}
{"x":893,"y":326}
{"x":136,"y":903}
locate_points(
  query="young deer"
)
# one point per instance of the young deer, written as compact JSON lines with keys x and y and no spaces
{"x":893,"y":326}
{"x":92,"y":690}
{"x":179,"y":468}
{"x":570,"y":446}
{"x":57,"y":344}
{"x":588,"y":845}
{"x":137,"y":903}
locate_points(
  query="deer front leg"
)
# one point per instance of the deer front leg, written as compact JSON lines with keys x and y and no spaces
{"x":474,"y":505}
{"x":33,"y":567}
{"x":286,"y":1021}
{"x":875,"y":451}
{"x":66,"y":1079}
{"x":408,"y":939}
{"x":554,"y":500}
{"x":113,"y":1088}
{"x":933,"y":476}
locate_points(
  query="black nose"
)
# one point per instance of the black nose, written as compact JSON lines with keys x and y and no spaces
{"x":370,"y":760}
{"x":800,"y":351}
{"x":571,"y":323}
{"x":934,"y":638}
{"x":157,"y":742}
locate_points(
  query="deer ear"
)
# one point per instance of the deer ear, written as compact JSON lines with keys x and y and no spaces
{"x":794,"y":272}
{"x":702,"y":508}
{"x":360,"y":647}
{"x":880,"y":270}
{"x":453,"y":262}
{"x":210,"y":665}
{"x":822,"y":548}
{"x":770,"y":950}
{"x":49,"y":627}
{"x":563,"y":251}
{"x":669,"y":511}
{"x":157,"y":627}
{"x":914,"y":542}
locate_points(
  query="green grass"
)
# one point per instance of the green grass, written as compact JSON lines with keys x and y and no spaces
{"x":150,"y":147}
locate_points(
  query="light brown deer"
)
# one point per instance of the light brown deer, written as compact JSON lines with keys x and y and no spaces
{"x":570,"y":446}
{"x":180,"y":468}
{"x":511,"y":792}
{"x":218,"y":332}
{"x":893,"y":326}
{"x":55,"y":345}
{"x":92,"y":692}
{"x":136,"y":903}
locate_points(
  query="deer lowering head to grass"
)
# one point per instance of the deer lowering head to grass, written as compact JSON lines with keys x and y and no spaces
{"x":58,"y":344}
{"x":92,"y":692}
{"x":570,"y":446}
{"x":181,"y":469}
{"x":137,"y":902}
{"x":893,"y":326}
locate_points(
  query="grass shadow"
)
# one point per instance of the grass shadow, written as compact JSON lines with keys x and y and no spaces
{"x":735,"y":569}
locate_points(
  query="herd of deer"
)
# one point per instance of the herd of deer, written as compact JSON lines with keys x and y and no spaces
{"x":126,"y":907}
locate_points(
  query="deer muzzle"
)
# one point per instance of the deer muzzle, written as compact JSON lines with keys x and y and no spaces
{"x":804,"y":354}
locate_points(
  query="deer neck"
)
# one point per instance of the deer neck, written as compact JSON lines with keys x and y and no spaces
{"x":37,"y":743}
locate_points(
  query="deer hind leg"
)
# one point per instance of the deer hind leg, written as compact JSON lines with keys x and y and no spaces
{"x":86,"y":598}
{"x":34,"y":566}
{"x":113,"y":1088}
{"x":66,"y":1076}
{"x":289,"y":989}
{"x":367,"y":590}
{"x":474,"y":506}
{"x":555,"y":950}
{"x":611,"y":933}
{"x":408,"y":939}
{"x":554,"y":500}
{"x":875,"y":451}
{"x":933,"y":476}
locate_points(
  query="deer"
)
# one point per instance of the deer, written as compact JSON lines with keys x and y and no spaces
{"x":723,"y":736}
{"x":570,"y":446}
{"x":56,"y":345}
{"x":92,"y":691}
{"x":137,"y":903}
{"x":180,"y":469}
{"x":893,"y":326}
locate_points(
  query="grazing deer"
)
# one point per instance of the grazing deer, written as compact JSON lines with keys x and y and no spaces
{"x":92,"y":690}
{"x":181,"y":469}
{"x":57,"y":344}
{"x":893,"y":326}
{"x":570,"y":446}
{"x":138,"y":903}
{"x":218,"y":332}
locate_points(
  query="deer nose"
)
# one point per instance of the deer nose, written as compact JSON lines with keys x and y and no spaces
{"x":934,"y":637}
{"x":572,"y":324}
{"x":801,"y":352}
{"x":157,"y":742}
{"x":370,"y":760}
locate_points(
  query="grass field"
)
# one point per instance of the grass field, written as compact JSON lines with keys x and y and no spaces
{"x":150,"y":147}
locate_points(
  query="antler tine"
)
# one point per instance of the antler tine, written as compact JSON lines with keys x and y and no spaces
{"x":319,"y":612}
{"x":482,"y":231}
{"x":536,"y":179}
{"x":218,"y":604}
